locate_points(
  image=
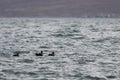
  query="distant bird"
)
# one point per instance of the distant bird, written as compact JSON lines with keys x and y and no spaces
{"x":39,"y":54}
{"x":17,"y":54}
{"x":52,"y":54}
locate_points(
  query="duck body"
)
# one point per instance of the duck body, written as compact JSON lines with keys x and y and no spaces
{"x":17,"y":54}
{"x":52,"y":54}
{"x":39,"y":54}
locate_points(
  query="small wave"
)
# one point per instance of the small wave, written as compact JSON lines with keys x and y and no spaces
{"x":68,"y":44}
{"x":46,"y":47}
{"x":63,"y":35}
{"x":11,"y":71}
{"x":94,"y":78}
{"x":26,"y":61}
{"x":7,"y":55}
{"x":75,"y":31}
{"x":21,"y":52}
{"x":43,"y":79}
{"x":116,"y":30}
{"x":78,"y":38}
{"x":78,"y":75}
{"x":94,"y":30}
{"x":53,"y":74}
{"x":102,"y":40}
{"x":74,"y":25}
{"x":111,"y":77}
{"x":2,"y":78}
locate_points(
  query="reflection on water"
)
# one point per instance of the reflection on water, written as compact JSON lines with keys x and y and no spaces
{"x":85,"y":49}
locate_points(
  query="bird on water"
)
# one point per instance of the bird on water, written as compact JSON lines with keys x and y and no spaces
{"x":52,"y":54}
{"x":17,"y":54}
{"x":39,"y":54}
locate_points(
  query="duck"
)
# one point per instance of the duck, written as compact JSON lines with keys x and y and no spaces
{"x":52,"y":54}
{"x":17,"y":54}
{"x":39,"y":54}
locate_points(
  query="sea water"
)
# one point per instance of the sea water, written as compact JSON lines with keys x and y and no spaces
{"x":85,"y":49}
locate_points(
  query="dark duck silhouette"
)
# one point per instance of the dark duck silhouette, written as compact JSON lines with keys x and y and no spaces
{"x":39,"y":54}
{"x":17,"y":54}
{"x":52,"y":54}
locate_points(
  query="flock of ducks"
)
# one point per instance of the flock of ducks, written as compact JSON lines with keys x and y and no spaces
{"x":37,"y":54}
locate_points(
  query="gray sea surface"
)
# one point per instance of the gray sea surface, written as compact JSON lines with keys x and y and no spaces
{"x":85,"y":48}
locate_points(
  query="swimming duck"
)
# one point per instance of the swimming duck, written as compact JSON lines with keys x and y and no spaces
{"x":39,"y":54}
{"x":52,"y":54}
{"x":17,"y":54}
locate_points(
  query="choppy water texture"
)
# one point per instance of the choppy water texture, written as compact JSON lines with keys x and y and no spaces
{"x":86,"y":49}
